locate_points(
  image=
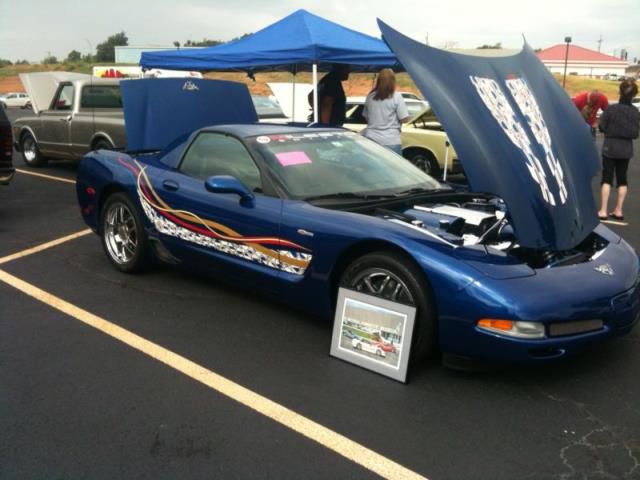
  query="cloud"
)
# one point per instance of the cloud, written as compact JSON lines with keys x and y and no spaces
{"x":64,"y":25}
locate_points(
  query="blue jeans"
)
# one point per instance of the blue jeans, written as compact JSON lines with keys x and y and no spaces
{"x":396,"y":148}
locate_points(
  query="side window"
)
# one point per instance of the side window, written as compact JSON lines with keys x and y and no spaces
{"x":64,"y":100}
{"x":218,"y":154}
{"x":354,"y":115}
{"x":101,"y":96}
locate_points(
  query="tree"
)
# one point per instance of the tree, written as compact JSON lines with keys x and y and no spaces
{"x":497,"y":46}
{"x":50,"y":60}
{"x":22,"y":62}
{"x":105,"y":51}
{"x":4,"y":62}
{"x":205,"y":42}
{"x":74,"y":56}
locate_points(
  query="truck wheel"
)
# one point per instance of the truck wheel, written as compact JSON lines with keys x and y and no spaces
{"x":30,"y":151}
{"x":102,"y":144}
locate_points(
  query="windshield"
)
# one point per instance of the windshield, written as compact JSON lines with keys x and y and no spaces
{"x":338,"y":163}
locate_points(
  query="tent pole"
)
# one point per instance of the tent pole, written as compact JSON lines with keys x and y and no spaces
{"x":315,"y":93}
{"x":293,"y":100}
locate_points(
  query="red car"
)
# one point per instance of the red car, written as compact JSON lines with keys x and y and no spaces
{"x":387,"y":347}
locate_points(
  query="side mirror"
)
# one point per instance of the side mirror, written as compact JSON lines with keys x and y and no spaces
{"x":228,"y":184}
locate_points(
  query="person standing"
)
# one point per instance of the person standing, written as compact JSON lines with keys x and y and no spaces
{"x":385,"y":112}
{"x":332,"y":102}
{"x":589,"y":103}
{"x":620,"y":124}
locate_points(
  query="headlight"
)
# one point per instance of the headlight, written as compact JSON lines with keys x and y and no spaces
{"x":512,"y":328}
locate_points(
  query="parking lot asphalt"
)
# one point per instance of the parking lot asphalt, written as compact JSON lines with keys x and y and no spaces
{"x":76,"y":402}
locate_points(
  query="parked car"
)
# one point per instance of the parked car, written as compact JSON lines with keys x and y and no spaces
{"x":15,"y":99}
{"x":76,"y":113}
{"x":366,"y":345}
{"x":385,"y":346}
{"x":297,"y":213}
{"x":412,"y":96}
{"x":6,"y":149}
{"x":268,"y":109}
{"x":424,"y":141}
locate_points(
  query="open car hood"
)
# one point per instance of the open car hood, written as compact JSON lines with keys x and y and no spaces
{"x":517,"y":134}
{"x":42,"y":86}
{"x":158,"y":110}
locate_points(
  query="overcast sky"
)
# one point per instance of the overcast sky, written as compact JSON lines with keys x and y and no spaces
{"x":33,"y":28}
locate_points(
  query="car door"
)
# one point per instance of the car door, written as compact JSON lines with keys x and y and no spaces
{"x":54,"y":136}
{"x":235,"y":237}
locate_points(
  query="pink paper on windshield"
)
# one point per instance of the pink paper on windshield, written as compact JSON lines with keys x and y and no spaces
{"x":287,"y":159}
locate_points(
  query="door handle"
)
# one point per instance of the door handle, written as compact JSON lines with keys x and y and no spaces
{"x":171,"y":185}
{"x":66,"y":119}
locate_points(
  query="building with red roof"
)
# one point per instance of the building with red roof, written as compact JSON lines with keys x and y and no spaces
{"x":581,"y":61}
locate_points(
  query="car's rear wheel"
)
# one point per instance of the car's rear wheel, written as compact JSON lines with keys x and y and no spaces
{"x":123,"y":236}
{"x":102,"y":144}
{"x":30,"y":151}
{"x":390,"y":276}
{"x":424,"y":160}
{"x":27,"y":105}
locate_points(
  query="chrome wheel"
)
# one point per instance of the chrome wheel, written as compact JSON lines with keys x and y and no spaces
{"x":30,"y":149}
{"x":120,"y":233}
{"x":382,"y":283}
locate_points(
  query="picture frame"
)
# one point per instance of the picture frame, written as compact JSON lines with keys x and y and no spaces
{"x":373,"y":333}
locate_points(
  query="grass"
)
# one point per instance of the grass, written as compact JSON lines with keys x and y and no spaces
{"x":358,"y":84}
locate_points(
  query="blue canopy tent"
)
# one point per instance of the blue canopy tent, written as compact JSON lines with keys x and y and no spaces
{"x":299,"y":42}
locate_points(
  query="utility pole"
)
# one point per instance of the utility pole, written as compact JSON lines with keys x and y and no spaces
{"x":600,"y":42}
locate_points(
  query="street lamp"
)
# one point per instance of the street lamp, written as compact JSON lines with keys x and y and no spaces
{"x":567,"y":40}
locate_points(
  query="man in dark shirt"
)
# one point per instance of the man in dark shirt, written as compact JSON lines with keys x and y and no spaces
{"x":332,"y":102}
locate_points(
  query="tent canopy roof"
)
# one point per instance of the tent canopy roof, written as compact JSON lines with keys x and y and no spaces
{"x":293,"y":44}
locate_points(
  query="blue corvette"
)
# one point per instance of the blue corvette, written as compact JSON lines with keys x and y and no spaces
{"x":522,"y":273}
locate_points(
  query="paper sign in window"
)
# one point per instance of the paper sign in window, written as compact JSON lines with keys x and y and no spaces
{"x":287,"y":159}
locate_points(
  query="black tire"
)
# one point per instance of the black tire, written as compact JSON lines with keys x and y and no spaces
{"x":102,"y":144}
{"x":26,"y":105}
{"x":424,"y":160}
{"x":424,"y":341}
{"x":133,"y":239}
{"x":3,"y":105}
{"x":30,"y":152}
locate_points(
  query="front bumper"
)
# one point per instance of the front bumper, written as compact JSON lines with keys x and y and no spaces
{"x":556,"y":296}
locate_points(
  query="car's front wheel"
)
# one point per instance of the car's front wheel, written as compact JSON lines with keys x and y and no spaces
{"x":30,"y":151}
{"x":424,"y":160}
{"x":123,"y":236}
{"x":390,"y":276}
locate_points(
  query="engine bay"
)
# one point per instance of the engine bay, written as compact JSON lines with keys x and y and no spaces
{"x":464,"y":220}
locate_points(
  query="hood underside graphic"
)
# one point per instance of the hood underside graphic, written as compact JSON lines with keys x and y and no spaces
{"x":517,"y":135}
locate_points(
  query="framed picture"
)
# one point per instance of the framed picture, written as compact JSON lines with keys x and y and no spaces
{"x":373,"y":333}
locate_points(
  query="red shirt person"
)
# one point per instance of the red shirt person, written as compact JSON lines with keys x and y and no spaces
{"x":589,"y":103}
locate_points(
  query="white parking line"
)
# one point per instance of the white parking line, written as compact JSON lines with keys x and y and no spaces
{"x":48,"y":177}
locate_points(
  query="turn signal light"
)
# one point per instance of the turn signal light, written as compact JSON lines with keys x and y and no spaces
{"x":512,"y":328}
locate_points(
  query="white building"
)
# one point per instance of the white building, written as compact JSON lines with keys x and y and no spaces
{"x":581,"y":61}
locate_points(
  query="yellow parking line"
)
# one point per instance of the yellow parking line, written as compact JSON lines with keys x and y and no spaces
{"x":336,"y":442}
{"x":49,"y":177}
{"x":616,"y":222}
{"x":44,"y":246}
